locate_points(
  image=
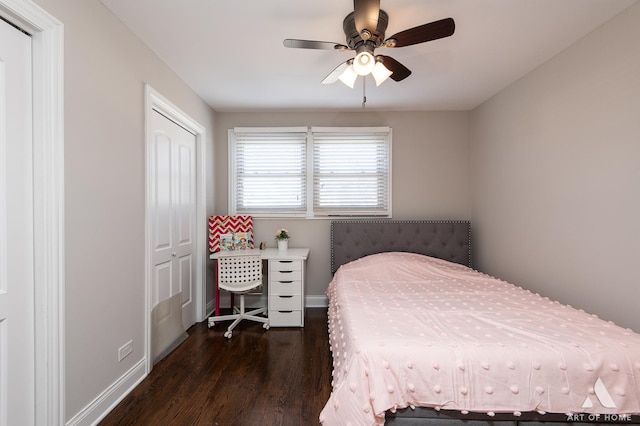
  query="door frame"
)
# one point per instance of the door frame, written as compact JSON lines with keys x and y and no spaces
{"x":47,"y":34}
{"x":155,"y":101}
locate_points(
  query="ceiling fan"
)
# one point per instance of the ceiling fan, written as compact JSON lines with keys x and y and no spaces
{"x":364,"y":29}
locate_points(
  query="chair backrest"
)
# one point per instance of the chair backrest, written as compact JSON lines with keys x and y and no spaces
{"x":239,"y":273}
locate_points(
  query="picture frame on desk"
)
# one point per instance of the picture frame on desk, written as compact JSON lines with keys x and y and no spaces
{"x":242,"y":240}
{"x":226,"y":242}
{"x":236,"y":241}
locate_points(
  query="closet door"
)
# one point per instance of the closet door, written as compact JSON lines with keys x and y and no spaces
{"x":173,"y":207}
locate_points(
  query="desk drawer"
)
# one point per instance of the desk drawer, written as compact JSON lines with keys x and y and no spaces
{"x":285,"y":303}
{"x":285,"y":318}
{"x":285,"y":265}
{"x":286,"y":275}
{"x":286,"y":288}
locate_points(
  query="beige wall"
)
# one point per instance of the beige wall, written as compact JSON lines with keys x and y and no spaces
{"x":556,"y":176}
{"x":430,"y":173}
{"x":106,"y":68}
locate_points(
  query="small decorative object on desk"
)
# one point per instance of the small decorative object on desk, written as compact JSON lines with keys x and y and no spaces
{"x":282,"y":236}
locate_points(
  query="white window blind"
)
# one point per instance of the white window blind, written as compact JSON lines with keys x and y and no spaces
{"x":351,"y":173}
{"x":270,"y":172}
{"x":315,"y":172}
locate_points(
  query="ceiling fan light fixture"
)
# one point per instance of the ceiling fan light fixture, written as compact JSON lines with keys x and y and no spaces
{"x":364,"y":63}
{"x":349,"y":76}
{"x":364,"y":29}
{"x":380,"y":72}
{"x":365,"y":34}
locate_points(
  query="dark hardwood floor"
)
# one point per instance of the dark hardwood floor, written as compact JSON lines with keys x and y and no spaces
{"x":280,"y":376}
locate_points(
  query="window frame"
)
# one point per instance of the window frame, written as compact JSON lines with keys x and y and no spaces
{"x":309,"y":212}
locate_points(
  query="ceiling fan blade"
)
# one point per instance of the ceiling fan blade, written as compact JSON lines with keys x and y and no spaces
{"x":365,"y":14}
{"x":313,"y":44}
{"x":336,"y":73}
{"x":427,"y":32}
{"x":400,"y":72}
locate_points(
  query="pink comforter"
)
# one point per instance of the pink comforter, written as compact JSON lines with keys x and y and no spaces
{"x":408,"y":330}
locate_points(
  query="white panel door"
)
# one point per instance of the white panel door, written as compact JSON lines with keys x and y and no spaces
{"x":173,"y":206}
{"x":17,"y":371}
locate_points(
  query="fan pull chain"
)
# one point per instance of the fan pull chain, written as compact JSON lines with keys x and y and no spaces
{"x":364,"y":93}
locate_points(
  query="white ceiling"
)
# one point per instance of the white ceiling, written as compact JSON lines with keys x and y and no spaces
{"x":230,"y":51}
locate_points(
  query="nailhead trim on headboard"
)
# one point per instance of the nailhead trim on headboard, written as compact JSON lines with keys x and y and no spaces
{"x":445,"y":239}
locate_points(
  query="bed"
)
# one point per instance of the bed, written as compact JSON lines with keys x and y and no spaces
{"x":418,"y":337}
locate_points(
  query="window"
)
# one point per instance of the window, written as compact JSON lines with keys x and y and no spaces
{"x":350,"y":173}
{"x":268,"y":172}
{"x":315,"y":172}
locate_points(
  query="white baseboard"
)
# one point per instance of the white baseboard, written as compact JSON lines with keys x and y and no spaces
{"x":256,"y":301}
{"x":107,"y":400}
{"x":312,"y":301}
{"x":211,"y":307}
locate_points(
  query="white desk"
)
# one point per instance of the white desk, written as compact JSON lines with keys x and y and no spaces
{"x":267,"y":254}
{"x":285,"y":283}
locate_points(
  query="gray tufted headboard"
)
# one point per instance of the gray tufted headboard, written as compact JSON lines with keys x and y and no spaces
{"x":353,"y":239}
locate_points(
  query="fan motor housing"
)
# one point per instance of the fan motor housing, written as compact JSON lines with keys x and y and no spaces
{"x":354,"y":39}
